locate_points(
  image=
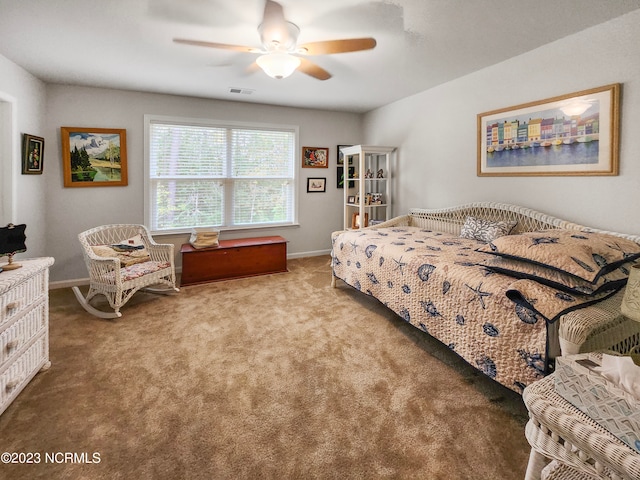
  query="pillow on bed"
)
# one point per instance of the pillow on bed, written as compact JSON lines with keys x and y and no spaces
{"x":585,"y":255}
{"x":485,"y":230}
{"x":613,"y":280}
{"x":540,"y":301}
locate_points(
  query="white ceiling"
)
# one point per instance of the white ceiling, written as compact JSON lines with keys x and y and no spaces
{"x":127,"y":44}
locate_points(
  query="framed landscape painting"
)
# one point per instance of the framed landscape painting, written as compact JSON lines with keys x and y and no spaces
{"x":574,"y":134}
{"x":94,"y":157}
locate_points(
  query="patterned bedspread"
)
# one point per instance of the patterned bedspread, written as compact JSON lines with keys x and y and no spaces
{"x":436,"y":282}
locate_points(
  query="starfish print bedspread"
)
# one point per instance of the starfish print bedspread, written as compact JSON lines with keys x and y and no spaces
{"x":436,"y":282}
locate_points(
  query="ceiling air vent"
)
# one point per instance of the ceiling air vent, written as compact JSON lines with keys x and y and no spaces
{"x":243,"y":91}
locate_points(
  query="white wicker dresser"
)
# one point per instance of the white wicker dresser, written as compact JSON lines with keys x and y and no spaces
{"x":24,"y":326}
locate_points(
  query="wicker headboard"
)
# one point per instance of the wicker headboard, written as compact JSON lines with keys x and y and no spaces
{"x":450,"y":220}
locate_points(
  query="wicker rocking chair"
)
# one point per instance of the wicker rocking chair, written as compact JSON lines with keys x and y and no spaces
{"x":122,"y":259}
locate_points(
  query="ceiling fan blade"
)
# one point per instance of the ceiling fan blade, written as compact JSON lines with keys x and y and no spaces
{"x":199,"y":43}
{"x":273,"y":13}
{"x":338,"y":46}
{"x":313,"y":70}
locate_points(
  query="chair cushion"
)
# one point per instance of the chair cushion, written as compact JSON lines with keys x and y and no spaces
{"x":127,"y":258}
{"x":140,"y":269}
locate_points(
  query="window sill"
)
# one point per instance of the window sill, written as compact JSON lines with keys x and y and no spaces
{"x":183,"y":231}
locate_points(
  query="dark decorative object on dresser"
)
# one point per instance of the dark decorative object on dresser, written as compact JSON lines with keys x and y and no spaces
{"x":12,"y":241}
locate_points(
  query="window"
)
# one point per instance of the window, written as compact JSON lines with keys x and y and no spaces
{"x":203,"y":173}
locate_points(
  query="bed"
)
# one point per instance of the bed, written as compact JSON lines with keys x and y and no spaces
{"x":463,"y":275}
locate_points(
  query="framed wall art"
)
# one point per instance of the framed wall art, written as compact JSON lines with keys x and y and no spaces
{"x":340,"y":176}
{"x":340,"y":166}
{"x":94,"y":157}
{"x":316,"y":184}
{"x":356,"y":223}
{"x":315,"y":157}
{"x":340,"y":155}
{"x":32,"y":154}
{"x":574,"y":134}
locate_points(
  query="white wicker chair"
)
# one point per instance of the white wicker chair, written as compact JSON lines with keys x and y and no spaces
{"x":116,"y":282}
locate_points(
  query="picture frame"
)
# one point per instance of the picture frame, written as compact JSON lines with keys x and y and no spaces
{"x":351,"y":199}
{"x":315,"y":157}
{"x":340,"y":177}
{"x":316,"y":185}
{"x":32,"y":154}
{"x":355,"y":220}
{"x":573,"y":134}
{"x":94,"y":157}
{"x":340,"y":156}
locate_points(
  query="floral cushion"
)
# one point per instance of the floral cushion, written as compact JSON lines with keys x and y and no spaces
{"x":485,"y":230}
{"x":140,"y":269}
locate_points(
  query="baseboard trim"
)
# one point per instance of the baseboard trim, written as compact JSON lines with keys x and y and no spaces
{"x":85,"y":281}
{"x":315,"y":253}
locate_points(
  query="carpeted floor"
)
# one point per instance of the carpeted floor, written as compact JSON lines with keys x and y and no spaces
{"x":272,"y":377}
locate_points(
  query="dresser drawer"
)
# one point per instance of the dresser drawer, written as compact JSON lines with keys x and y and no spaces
{"x":22,"y":370}
{"x":22,"y":296}
{"x":17,"y":335}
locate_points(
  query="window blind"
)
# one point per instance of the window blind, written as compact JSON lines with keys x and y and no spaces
{"x":220,"y":176}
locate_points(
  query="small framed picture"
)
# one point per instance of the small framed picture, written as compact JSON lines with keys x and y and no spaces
{"x":351,"y":199}
{"x":341,"y":176}
{"x":356,"y":223}
{"x":315,"y":157}
{"x":32,"y":154}
{"x":316,"y":184}
{"x":340,"y":155}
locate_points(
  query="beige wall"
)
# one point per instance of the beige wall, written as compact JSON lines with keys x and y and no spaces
{"x":436,"y":130}
{"x":22,"y":106}
{"x":72,"y":210}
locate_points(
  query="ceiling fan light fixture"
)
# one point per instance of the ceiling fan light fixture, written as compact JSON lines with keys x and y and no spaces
{"x":278,"y":65}
{"x":280,"y":36}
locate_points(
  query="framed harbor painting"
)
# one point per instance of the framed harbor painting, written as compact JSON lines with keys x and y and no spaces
{"x":94,"y":157}
{"x":574,"y":134}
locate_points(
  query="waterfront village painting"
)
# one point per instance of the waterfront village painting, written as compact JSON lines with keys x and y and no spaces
{"x":95,"y":157}
{"x":549,"y":137}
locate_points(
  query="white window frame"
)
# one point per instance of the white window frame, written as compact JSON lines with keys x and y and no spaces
{"x":205,"y":122}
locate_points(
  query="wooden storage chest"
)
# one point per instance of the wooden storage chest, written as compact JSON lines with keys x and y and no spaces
{"x":238,"y":258}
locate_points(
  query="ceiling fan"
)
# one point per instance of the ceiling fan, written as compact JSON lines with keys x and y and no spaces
{"x":281,"y":55}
